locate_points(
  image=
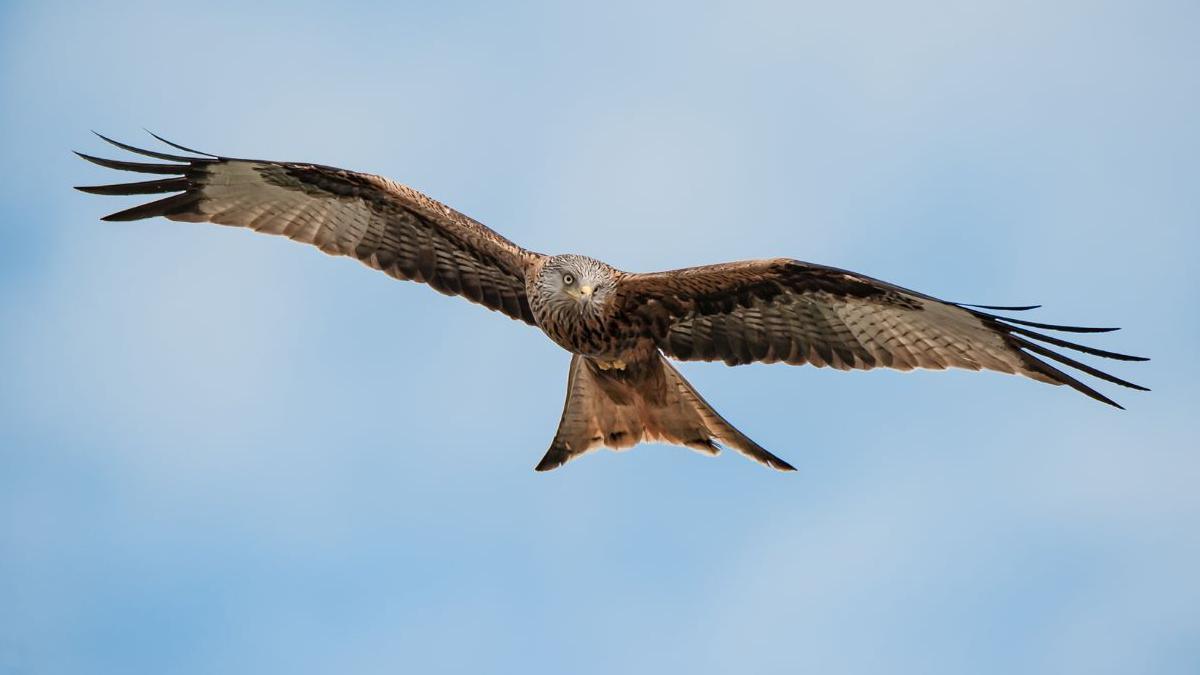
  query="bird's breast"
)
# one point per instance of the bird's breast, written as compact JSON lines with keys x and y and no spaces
{"x":574,"y":329}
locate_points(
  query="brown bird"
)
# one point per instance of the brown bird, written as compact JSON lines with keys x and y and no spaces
{"x":618,"y":326}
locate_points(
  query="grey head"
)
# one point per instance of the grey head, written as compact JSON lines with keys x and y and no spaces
{"x":575,"y":281}
{"x":569,"y":296}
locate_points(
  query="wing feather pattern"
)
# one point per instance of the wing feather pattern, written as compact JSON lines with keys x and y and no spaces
{"x":385,"y":225}
{"x":795,"y":312}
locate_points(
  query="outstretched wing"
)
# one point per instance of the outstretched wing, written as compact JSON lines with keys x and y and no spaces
{"x":796,"y":312}
{"x":385,"y":225}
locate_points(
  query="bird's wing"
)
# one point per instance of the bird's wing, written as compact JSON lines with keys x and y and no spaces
{"x":385,"y":225}
{"x":796,"y":312}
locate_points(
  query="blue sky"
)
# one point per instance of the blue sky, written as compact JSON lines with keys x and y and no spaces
{"x":223,"y":452}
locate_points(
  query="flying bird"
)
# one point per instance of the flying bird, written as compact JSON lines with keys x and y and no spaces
{"x":619,"y":327}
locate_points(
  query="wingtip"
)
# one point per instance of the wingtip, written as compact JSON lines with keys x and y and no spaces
{"x":99,"y":161}
{"x":1130,"y":385}
{"x":1003,"y":308}
{"x":1102,"y":398}
{"x":180,"y":147}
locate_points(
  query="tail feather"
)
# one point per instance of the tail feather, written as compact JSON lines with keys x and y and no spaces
{"x":648,"y":401}
{"x":719,"y":429}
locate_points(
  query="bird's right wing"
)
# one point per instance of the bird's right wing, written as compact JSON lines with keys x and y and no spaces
{"x":385,"y":225}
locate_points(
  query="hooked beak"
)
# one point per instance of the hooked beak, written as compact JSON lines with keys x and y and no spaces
{"x":585,"y":291}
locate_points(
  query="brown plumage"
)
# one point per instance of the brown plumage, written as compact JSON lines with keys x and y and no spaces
{"x":621,"y":390}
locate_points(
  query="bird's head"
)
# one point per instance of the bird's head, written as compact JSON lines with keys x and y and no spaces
{"x":576,"y":279}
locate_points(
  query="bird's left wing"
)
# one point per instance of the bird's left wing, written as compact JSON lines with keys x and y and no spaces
{"x":796,"y":312}
{"x":383,"y":224}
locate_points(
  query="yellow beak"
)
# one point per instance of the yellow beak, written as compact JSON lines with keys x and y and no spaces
{"x":585,"y":290}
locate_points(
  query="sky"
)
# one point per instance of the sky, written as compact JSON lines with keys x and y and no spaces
{"x":225,"y":452}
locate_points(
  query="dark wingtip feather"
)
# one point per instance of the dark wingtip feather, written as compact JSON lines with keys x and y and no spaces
{"x":1057,"y":327}
{"x":162,"y":207}
{"x":180,"y":147}
{"x":137,"y":167}
{"x":1012,"y":329}
{"x":974,"y":309}
{"x":144,"y":188}
{"x":1002,"y":308}
{"x":1077,"y":347}
{"x":1061,"y":377}
{"x":142,"y":151}
{"x":1068,"y":361}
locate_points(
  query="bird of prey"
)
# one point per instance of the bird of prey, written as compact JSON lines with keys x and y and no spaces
{"x":619,"y":327}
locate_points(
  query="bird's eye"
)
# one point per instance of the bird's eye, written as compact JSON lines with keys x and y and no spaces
{"x":568,"y":279}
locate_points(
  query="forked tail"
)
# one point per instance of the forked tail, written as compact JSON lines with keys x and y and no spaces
{"x":620,"y":407}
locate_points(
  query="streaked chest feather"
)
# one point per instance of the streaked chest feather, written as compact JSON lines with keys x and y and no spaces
{"x":574,"y":328}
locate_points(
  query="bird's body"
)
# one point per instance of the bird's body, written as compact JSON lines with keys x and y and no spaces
{"x":618,"y":326}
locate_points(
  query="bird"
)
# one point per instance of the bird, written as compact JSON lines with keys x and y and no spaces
{"x":619,"y":327}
